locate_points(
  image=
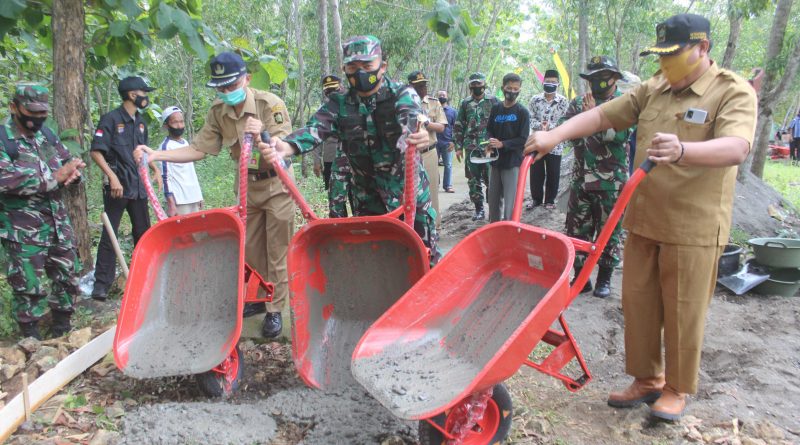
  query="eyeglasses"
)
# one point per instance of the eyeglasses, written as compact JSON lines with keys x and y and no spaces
{"x":231,"y":87}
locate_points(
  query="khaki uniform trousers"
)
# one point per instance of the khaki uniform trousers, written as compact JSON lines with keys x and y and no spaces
{"x":270,"y":226}
{"x":430,"y":160}
{"x":666,"y":287}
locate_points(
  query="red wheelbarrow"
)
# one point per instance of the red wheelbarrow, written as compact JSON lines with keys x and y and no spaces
{"x":182,"y":307}
{"x":441,"y":352}
{"x":344,"y":273}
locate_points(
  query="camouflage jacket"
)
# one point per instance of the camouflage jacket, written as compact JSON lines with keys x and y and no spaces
{"x":368,"y":128}
{"x":601,"y":160}
{"x":32,"y":209}
{"x":471,"y":122}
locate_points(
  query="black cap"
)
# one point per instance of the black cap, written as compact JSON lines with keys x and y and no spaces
{"x":225,"y":69}
{"x":330,"y":81}
{"x":416,"y":77}
{"x":677,"y":32}
{"x":599,"y":64}
{"x":551,"y":73}
{"x":133,"y":83}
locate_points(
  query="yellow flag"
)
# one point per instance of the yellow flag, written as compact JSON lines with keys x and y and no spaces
{"x":562,"y":71}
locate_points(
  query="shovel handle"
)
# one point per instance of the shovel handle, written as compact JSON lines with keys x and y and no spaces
{"x":280,"y":169}
{"x":151,"y":194}
{"x":410,"y":185}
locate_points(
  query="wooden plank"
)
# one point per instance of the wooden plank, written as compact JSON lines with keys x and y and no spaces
{"x":49,"y":383}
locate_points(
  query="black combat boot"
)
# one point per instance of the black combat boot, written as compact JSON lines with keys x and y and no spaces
{"x":61,"y":324}
{"x":30,"y":329}
{"x":272,"y":325}
{"x":586,"y":287}
{"x":479,"y":215}
{"x":603,"y":288}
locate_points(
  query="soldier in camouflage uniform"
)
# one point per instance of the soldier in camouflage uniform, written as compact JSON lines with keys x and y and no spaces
{"x":369,"y":119}
{"x":336,"y":167}
{"x":469,"y":133}
{"x":34,"y":225}
{"x":599,"y":173}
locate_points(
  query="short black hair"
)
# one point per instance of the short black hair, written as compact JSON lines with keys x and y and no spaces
{"x":511,"y":77}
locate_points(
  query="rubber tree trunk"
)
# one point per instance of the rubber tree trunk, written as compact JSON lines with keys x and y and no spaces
{"x":735,"y":20}
{"x":337,"y":32}
{"x":775,"y":83}
{"x":69,"y":104}
{"x":324,"y":58}
{"x":583,"y":44}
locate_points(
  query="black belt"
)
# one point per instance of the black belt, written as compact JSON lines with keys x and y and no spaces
{"x":427,"y":149}
{"x":259,"y":176}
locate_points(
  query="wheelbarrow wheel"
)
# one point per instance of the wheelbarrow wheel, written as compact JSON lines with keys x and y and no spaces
{"x":491,"y":429}
{"x":223,"y":380}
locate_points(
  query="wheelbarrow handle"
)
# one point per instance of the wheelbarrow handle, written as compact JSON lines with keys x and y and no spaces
{"x":151,"y":194}
{"x":596,"y":249}
{"x":280,"y":169}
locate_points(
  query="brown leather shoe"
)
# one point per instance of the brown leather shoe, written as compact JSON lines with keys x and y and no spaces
{"x":670,"y":405}
{"x":645,"y":390}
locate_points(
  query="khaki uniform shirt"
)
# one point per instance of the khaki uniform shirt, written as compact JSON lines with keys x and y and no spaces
{"x":223,"y":127}
{"x":433,"y":109}
{"x":677,"y":204}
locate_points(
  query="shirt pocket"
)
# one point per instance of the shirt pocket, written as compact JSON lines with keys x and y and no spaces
{"x":691,"y":132}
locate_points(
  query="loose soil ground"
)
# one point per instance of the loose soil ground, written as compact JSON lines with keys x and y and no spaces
{"x":749,"y":387}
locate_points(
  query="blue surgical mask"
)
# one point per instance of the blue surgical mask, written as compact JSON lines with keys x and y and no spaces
{"x":232,"y":98}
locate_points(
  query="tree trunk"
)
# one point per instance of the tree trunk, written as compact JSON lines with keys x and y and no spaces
{"x":498,"y":6}
{"x":324,"y":58}
{"x":297,"y":35}
{"x":773,"y":86}
{"x":733,"y":38}
{"x":337,"y":32}
{"x":69,"y":101}
{"x":583,"y":43}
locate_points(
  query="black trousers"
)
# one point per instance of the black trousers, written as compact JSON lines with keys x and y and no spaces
{"x":106,"y":266}
{"x":545,"y":174}
{"x":326,"y":173}
{"x":794,"y":149}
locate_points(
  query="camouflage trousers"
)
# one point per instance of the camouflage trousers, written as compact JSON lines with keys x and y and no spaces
{"x":587,"y":214}
{"x":382,"y":193}
{"x":27,"y":265}
{"x":339,"y":190}
{"x":477,"y":178}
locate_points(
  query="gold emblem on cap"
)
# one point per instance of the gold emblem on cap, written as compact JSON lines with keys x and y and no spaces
{"x":661,"y":34}
{"x":219,"y":69}
{"x":420,"y":76}
{"x":697,"y":36}
{"x":596,"y":59}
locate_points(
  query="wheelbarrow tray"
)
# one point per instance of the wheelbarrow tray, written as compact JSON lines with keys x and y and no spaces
{"x":180,"y":310}
{"x":344,"y":274}
{"x":469,"y":325}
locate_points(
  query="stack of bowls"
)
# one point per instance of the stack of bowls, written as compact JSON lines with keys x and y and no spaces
{"x":781,"y":256}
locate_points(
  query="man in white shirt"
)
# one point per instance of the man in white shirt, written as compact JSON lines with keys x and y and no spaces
{"x":181,"y":187}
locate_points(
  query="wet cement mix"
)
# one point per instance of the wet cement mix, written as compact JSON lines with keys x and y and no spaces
{"x":749,"y":388}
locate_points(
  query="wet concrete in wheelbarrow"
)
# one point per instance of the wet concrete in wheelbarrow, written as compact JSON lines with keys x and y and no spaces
{"x":418,"y":377}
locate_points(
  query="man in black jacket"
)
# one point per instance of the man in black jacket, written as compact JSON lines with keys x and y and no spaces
{"x":508,"y":129}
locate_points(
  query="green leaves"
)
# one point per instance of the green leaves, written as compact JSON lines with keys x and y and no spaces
{"x":11,"y":9}
{"x":119,"y":50}
{"x":450,"y":22}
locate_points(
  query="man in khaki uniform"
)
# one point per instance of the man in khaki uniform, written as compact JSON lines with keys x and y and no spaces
{"x":437,"y":120}
{"x":270,"y":210}
{"x":697,"y":122}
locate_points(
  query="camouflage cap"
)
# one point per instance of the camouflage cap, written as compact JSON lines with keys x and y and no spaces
{"x":361,"y":48}
{"x":477,"y":77}
{"x":32,"y":96}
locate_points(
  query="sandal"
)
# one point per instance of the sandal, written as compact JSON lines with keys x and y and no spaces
{"x":550,"y":206}
{"x":449,"y":190}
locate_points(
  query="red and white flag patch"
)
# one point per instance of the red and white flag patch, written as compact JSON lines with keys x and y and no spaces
{"x":98,"y":133}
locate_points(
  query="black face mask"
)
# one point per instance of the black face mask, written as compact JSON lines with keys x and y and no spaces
{"x":510,"y":97}
{"x":601,"y":87}
{"x":550,"y":87}
{"x":31,"y":123}
{"x":477,"y":91}
{"x":175,"y":132}
{"x":442,"y":100}
{"x":364,"y":81}
{"x":141,"y":101}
